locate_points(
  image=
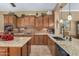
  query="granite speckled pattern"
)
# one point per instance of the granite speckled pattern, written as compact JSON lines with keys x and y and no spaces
{"x":17,"y":42}
{"x":71,"y":47}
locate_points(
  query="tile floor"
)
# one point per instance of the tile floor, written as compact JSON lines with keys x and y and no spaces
{"x":40,"y":50}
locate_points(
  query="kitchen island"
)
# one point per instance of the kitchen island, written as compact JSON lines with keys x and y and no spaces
{"x":20,"y":46}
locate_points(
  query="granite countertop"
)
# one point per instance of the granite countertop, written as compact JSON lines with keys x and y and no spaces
{"x":71,"y":47}
{"x":37,"y":33}
{"x":17,"y":42}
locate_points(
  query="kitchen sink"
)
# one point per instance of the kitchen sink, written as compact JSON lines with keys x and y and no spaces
{"x":58,"y":38}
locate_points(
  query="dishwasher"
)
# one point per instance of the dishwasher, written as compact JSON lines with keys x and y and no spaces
{"x":62,"y":52}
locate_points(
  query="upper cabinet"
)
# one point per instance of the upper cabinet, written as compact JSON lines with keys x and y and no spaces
{"x":25,"y":21}
{"x":45,"y":21}
{"x":51,"y":20}
{"x":32,"y":20}
{"x":37,"y":22}
{"x":10,"y":20}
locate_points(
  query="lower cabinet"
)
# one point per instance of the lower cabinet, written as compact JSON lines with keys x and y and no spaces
{"x":28,"y":48}
{"x":60,"y":51}
{"x":16,"y":51}
{"x":52,"y":47}
{"x":3,"y":51}
{"x":39,"y":40}
{"x":55,"y":49}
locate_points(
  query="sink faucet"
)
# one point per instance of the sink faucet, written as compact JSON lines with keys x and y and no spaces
{"x":70,"y":39}
{"x":63,"y":31}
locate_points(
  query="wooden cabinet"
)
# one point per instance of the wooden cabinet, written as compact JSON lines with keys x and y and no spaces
{"x":39,"y":40}
{"x":36,"y":23}
{"x":27,"y":20}
{"x":33,"y":40}
{"x":16,"y":51}
{"x":3,"y":51}
{"x":52,"y":46}
{"x":40,"y":23}
{"x":10,"y":20}
{"x":45,"y":21}
{"x":51,"y":21}
{"x":45,"y":39}
{"x":32,"y":20}
{"x":18,"y":22}
{"x":22,"y":22}
{"x":28,"y":48}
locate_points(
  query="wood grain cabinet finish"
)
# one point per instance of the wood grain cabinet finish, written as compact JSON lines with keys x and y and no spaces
{"x":39,"y":40}
{"x":28,"y":48}
{"x":16,"y":51}
{"x":51,"y":21}
{"x":27,"y":20}
{"x":52,"y":46}
{"x":45,"y":39}
{"x":32,"y":20}
{"x":33,"y":40}
{"x":45,"y":21}
{"x":36,"y":23}
{"x":10,"y":19}
{"x":3,"y":51}
{"x":18,"y":22}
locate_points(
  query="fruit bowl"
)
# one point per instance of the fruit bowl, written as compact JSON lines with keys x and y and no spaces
{"x":6,"y":37}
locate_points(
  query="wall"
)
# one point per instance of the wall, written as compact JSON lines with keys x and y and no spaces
{"x":1,"y":23}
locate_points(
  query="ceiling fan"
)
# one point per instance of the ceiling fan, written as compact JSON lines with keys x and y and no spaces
{"x":13,"y":5}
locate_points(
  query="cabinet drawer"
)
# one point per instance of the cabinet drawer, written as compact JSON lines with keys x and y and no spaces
{"x":3,"y":54}
{"x":3,"y":51}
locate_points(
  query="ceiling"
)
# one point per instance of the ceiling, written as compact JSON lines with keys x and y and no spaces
{"x":27,"y":7}
{"x":73,"y":7}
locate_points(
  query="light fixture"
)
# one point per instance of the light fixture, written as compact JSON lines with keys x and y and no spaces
{"x":61,"y":20}
{"x":49,"y":12}
{"x":69,"y":15}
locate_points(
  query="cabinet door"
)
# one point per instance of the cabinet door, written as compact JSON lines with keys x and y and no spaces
{"x":51,"y":21}
{"x":14,"y":51}
{"x":45,"y":39}
{"x":11,"y":18}
{"x":28,"y":47}
{"x":32,"y":20}
{"x":52,"y":47}
{"x":41,"y":40}
{"x":22,"y":22}
{"x":40,"y":23}
{"x":45,"y":21}
{"x":27,"y":20}
{"x":18,"y":22}
{"x":6,"y":19}
{"x":33,"y":40}
{"x":37,"y":23}
{"x":37,"y":41}
{"x":3,"y":51}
